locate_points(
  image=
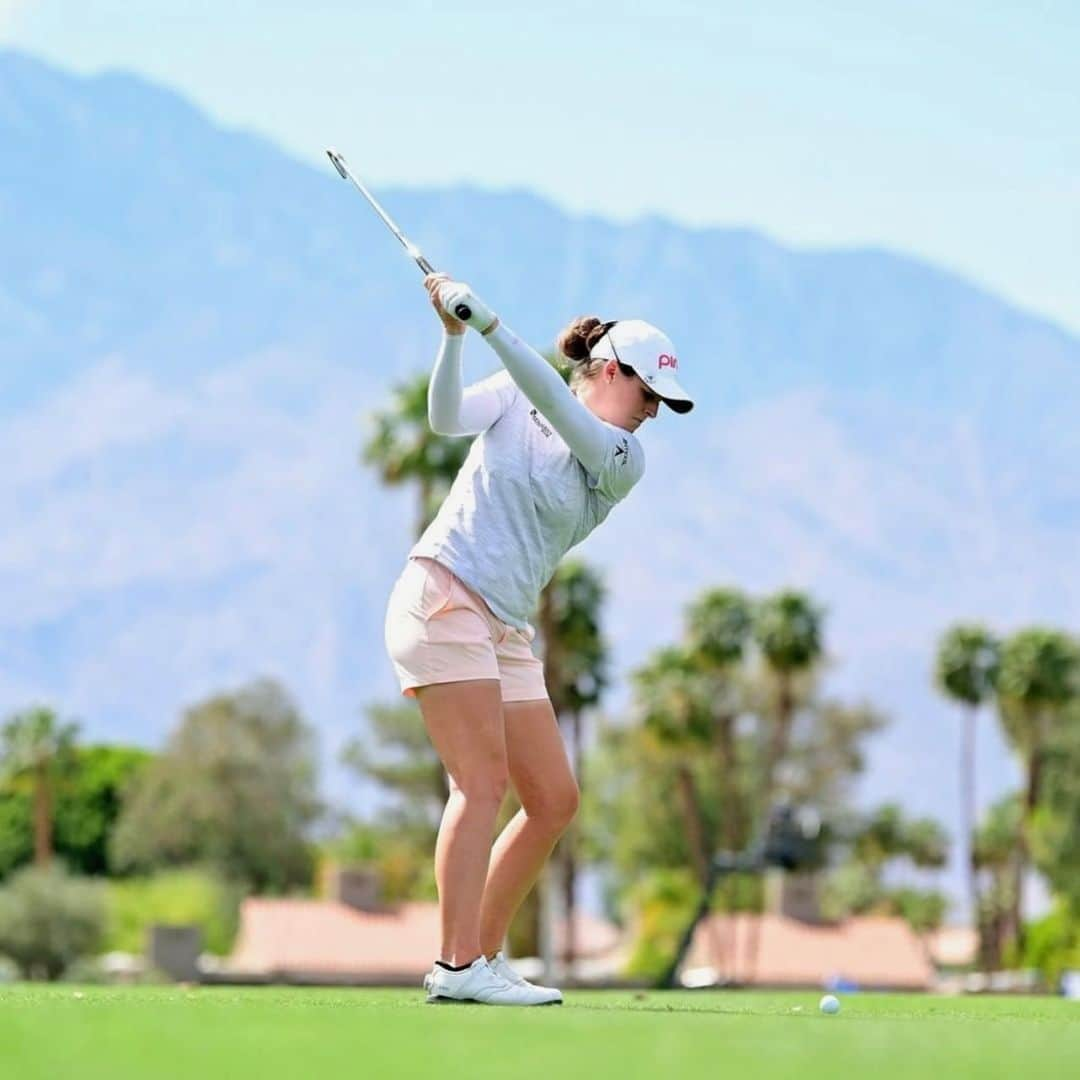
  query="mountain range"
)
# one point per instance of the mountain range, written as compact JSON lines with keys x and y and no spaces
{"x":195,"y":325}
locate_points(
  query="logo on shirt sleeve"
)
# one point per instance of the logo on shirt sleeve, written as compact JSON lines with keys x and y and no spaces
{"x":540,"y":423}
{"x":622,"y":452}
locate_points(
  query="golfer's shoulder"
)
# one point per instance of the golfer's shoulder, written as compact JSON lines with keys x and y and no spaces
{"x":635,"y":454}
{"x":624,"y":463}
{"x":626,"y":443}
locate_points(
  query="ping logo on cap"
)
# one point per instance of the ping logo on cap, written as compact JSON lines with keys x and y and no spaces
{"x":666,"y":360}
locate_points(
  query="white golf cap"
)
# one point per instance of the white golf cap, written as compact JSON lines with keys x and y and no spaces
{"x":650,"y":353}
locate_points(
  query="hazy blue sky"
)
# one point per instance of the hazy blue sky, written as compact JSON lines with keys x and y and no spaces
{"x":946,"y":130}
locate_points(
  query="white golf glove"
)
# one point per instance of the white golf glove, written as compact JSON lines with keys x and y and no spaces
{"x":455,"y":294}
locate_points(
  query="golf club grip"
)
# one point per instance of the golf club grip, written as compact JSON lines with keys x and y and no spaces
{"x":462,"y":311}
{"x":459,"y":302}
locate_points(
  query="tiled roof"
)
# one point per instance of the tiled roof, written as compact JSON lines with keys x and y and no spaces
{"x":326,"y":937}
{"x":314,"y":937}
{"x":772,"y":950}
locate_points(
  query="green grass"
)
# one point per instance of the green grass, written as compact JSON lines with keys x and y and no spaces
{"x":148,"y":1033}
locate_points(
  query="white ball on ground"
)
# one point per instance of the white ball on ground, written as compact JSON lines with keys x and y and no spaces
{"x":829,"y":1005}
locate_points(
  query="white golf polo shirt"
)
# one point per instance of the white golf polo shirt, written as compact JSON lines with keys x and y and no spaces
{"x":538,"y":479}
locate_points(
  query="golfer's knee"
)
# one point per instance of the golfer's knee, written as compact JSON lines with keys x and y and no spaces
{"x":485,"y":787}
{"x":555,"y":807}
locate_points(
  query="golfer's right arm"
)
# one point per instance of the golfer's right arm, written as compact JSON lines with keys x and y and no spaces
{"x":452,"y":409}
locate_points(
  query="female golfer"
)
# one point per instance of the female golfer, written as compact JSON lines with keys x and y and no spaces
{"x":549,"y":464}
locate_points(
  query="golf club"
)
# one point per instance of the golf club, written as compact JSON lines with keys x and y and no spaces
{"x":462,"y":311}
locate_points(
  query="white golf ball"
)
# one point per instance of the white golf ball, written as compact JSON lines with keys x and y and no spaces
{"x":829,"y":1005}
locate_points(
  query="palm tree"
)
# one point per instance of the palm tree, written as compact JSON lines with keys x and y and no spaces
{"x":788,"y":630}
{"x":34,"y":746}
{"x":1036,"y":680}
{"x":672,"y":698}
{"x":994,"y":852}
{"x":965,"y":670}
{"x":405,"y":450}
{"x":718,"y":630}
{"x":575,"y":671}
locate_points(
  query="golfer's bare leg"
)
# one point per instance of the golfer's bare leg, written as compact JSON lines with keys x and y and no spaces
{"x":465,"y":723}
{"x":541,"y":774}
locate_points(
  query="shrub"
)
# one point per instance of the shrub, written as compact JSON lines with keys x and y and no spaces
{"x":1052,"y":944}
{"x":664,"y":902}
{"x":49,"y":919}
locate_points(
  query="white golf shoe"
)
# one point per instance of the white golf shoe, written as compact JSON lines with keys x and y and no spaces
{"x":501,"y":966}
{"x":479,"y":983}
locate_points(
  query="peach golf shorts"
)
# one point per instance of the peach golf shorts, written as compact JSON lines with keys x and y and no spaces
{"x":439,"y":631}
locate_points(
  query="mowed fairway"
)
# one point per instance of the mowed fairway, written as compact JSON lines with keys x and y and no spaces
{"x":148,"y":1033}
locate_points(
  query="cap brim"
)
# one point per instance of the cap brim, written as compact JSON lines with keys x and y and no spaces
{"x":672,"y":394}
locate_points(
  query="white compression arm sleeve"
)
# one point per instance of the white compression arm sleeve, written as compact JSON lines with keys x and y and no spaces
{"x":587,"y":436}
{"x":452,"y":410}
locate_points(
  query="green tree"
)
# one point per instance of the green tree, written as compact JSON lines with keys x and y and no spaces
{"x":689,"y":775}
{"x":965,"y":671}
{"x":405,"y":450}
{"x":88,"y":787}
{"x":34,"y":747}
{"x":872,"y":848}
{"x":632,"y":819}
{"x":89,"y":801}
{"x":397,"y":754}
{"x":828,"y":752}
{"x":886,"y":834}
{"x":1036,"y":681}
{"x":788,"y":632}
{"x":16,"y":831}
{"x":235,"y":788}
{"x":923,"y":909}
{"x":699,"y":714}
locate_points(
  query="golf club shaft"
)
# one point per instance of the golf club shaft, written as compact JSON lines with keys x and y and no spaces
{"x":462,"y":311}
